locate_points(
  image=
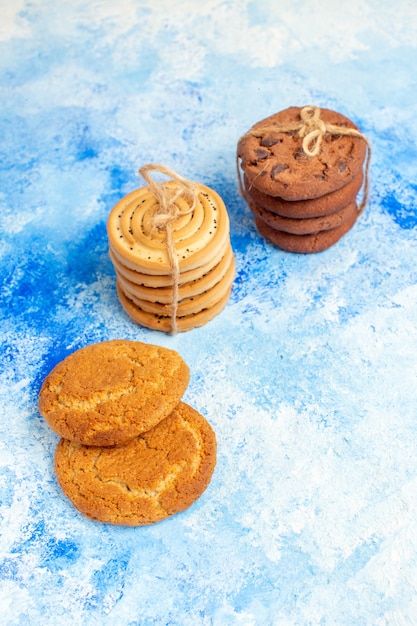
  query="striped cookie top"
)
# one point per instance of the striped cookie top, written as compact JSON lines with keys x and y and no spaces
{"x":198,"y":236}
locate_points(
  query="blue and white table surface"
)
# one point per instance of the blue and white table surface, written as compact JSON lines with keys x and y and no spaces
{"x":309,"y":375}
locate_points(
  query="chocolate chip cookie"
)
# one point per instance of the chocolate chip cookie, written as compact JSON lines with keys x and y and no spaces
{"x":274,"y":161}
{"x":305,"y":244}
{"x":305,"y":209}
{"x":305,"y":226}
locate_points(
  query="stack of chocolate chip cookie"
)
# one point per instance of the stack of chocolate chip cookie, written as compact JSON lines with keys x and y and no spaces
{"x":131,"y":452}
{"x":302,"y":171}
{"x":170,"y":247}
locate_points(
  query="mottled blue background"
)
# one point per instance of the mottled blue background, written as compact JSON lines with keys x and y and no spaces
{"x":309,"y":375}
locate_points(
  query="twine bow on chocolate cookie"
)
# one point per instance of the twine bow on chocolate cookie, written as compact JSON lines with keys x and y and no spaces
{"x":165,"y":216}
{"x":311,"y":129}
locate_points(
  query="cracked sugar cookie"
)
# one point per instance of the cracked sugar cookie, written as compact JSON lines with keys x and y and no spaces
{"x":107,"y":393}
{"x":155,"y":475}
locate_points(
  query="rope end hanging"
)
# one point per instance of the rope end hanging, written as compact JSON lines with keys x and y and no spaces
{"x":166,"y":214}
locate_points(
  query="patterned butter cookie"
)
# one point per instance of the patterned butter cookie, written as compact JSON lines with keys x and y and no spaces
{"x":155,"y":321}
{"x":199,"y":298}
{"x":305,"y":244}
{"x":200,"y":283}
{"x":155,"y":475}
{"x":107,"y":393}
{"x":164,"y":236}
{"x":199,"y":236}
{"x":189,"y":306}
{"x":305,"y":226}
{"x":302,"y":153}
{"x":305,"y":209}
{"x":131,"y":272}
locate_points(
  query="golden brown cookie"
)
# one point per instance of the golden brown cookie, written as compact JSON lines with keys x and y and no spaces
{"x":132,"y":273}
{"x":200,"y":299}
{"x":154,"y":321}
{"x":275,"y":162}
{"x":305,"y":209}
{"x":201,"y":282}
{"x":305,"y":244}
{"x":155,"y":475}
{"x":305,"y":226}
{"x":107,"y":393}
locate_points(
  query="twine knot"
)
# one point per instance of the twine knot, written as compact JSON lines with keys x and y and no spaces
{"x":312,"y":131}
{"x":167,"y":196}
{"x":166,"y":214}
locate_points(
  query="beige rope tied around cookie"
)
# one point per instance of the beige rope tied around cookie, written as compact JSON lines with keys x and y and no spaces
{"x":311,"y":128}
{"x":165,"y":216}
{"x":312,"y":131}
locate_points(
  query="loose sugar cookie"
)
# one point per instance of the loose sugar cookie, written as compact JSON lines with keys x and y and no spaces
{"x":155,"y":475}
{"x":107,"y":393}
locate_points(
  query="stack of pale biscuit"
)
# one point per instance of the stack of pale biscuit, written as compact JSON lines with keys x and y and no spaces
{"x":302,"y":171}
{"x":131,"y":451}
{"x":176,"y":280}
